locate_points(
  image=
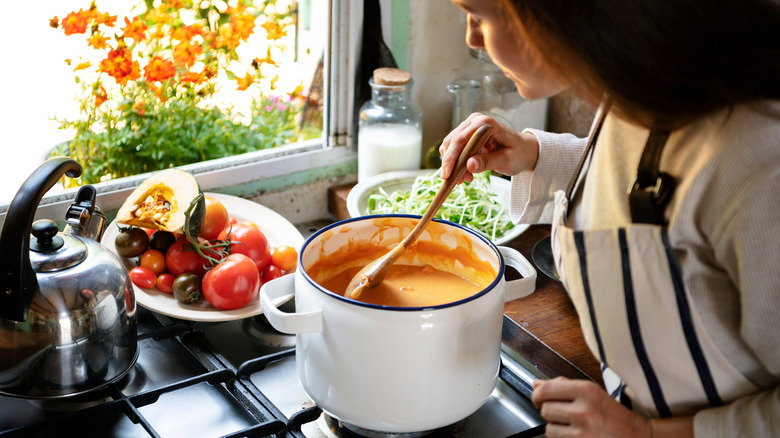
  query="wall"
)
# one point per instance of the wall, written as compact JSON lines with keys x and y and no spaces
{"x":436,"y":52}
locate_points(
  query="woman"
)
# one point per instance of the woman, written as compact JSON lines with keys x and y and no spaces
{"x":667,"y":232}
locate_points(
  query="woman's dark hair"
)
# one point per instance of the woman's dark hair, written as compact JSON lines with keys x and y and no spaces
{"x":664,"y":62}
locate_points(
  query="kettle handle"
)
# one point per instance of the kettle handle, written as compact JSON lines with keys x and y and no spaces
{"x":18,"y":281}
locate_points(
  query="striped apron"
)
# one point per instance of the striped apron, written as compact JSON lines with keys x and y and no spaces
{"x":637,"y":319}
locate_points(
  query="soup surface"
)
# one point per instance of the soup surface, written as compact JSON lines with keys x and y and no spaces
{"x":408,"y":286}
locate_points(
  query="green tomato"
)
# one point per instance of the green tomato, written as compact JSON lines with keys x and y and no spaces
{"x":186,"y":288}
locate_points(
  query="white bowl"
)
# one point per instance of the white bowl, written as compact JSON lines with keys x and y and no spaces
{"x":357,"y":199}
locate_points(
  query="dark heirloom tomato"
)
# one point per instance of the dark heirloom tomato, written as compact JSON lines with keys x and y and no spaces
{"x":131,"y":242}
{"x":232,"y":284}
{"x":161,"y":240}
{"x":181,"y":258}
{"x":187,"y":288}
{"x":250,"y":241}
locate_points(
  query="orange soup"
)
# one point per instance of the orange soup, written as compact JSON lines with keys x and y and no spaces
{"x":408,"y":286}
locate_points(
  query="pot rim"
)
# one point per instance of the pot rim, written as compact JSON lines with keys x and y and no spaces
{"x":487,"y":289}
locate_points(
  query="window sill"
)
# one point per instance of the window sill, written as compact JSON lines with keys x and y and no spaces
{"x":287,"y":180}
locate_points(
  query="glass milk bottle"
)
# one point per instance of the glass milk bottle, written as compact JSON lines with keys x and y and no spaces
{"x":389,"y":128}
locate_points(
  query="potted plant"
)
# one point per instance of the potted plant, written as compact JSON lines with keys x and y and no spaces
{"x":150,"y":91}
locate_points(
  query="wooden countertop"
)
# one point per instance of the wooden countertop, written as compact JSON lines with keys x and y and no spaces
{"x":543,"y":328}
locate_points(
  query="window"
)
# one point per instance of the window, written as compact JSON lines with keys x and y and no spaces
{"x":35,"y":96}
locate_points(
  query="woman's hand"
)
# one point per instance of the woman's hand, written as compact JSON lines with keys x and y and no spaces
{"x":583,"y":409}
{"x":506,"y":151}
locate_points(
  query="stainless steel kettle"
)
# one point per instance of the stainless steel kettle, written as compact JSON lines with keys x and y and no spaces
{"x":67,"y":307}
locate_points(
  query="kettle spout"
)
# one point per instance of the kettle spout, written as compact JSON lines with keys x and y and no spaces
{"x":83,"y":218}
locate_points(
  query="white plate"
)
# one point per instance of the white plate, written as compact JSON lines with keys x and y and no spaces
{"x":357,"y":199}
{"x":277,"y":230}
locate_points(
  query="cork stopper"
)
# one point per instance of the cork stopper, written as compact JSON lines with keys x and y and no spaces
{"x":391,"y":76}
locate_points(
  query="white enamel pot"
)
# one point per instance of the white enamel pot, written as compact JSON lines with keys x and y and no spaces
{"x":395,"y":369}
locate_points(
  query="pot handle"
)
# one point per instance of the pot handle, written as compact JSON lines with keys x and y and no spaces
{"x":293,"y":323}
{"x":521,"y":287}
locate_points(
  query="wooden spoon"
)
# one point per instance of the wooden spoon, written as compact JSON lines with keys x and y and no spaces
{"x":373,"y":273}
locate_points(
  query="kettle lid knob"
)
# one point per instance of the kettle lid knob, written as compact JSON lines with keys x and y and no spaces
{"x":45,"y":232}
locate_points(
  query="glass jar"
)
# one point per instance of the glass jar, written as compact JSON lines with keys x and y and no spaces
{"x":389,"y":126}
{"x":483,"y":87}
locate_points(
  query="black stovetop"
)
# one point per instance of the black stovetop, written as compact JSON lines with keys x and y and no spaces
{"x":231,"y":379}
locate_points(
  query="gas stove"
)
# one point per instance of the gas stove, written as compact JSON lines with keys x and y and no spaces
{"x":238,"y":379}
{"x":234,"y":379}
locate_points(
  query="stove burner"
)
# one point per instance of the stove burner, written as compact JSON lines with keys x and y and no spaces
{"x":131,"y":383}
{"x":337,"y":429}
{"x":262,"y":332}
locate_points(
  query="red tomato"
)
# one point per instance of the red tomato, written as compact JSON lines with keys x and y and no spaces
{"x":143,"y":277}
{"x":250,"y":241}
{"x":231,"y":284}
{"x":251,"y":224}
{"x":165,"y":282}
{"x":284,"y":257}
{"x":271,"y":272}
{"x":216,"y":219}
{"x":179,"y":259}
{"x":154,"y":260}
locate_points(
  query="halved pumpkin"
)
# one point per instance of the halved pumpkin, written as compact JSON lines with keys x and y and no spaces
{"x":169,"y":200}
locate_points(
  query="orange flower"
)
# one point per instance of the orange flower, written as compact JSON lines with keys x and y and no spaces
{"x":186,"y":54}
{"x":97,"y":40}
{"x":75,"y":22}
{"x":274,"y":30}
{"x":54,"y":22}
{"x":190,"y":76}
{"x":158,"y":16}
{"x":82,"y":66}
{"x":245,"y":82}
{"x":227,"y":37}
{"x":185,"y":33}
{"x":243,"y":24}
{"x":159,"y":92}
{"x":159,"y":69}
{"x":100,"y":96}
{"x":105,"y":18}
{"x":140,"y":108}
{"x":120,"y":65}
{"x":257,"y":62}
{"x":135,"y":29}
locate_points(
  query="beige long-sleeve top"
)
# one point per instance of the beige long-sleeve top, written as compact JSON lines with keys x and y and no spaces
{"x":724,"y":223}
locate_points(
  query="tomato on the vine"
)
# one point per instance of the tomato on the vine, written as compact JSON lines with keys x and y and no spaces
{"x":284,"y":257}
{"x":181,"y":258}
{"x":232,"y":284}
{"x":165,"y":282}
{"x":154,"y":260}
{"x":143,"y":277}
{"x":215,"y":220}
{"x":250,"y":241}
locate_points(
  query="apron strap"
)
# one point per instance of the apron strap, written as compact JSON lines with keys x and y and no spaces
{"x":595,"y":130}
{"x":652,"y":189}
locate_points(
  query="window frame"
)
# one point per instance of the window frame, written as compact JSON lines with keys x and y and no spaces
{"x":260,"y":171}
